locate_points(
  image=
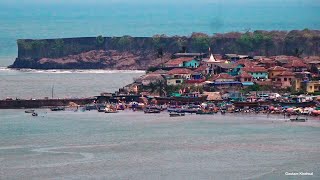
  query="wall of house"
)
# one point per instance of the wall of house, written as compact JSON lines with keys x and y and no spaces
{"x":174,"y":82}
{"x":259,"y":75}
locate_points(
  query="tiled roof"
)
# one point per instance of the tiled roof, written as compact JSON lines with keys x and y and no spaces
{"x":286,"y":73}
{"x":178,"y":61}
{"x":245,"y":62}
{"x":254,"y":69}
{"x":180,"y":71}
{"x":277,"y":68}
{"x":152,"y":77}
{"x":226,"y":65}
{"x":201,"y":68}
{"x":221,"y":76}
{"x":295,"y":63}
{"x":244,"y":74}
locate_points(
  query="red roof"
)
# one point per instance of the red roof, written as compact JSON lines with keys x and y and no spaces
{"x":244,"y":74}
{"x":245,"y":62}
{"x":221,"y":76}
{"x":201,"y":69}
{"x":295,"y":63}
{"x":286,"y":73}
{"x":277,"y":68}
{"x":176,"y":62}
{"x":255,"y":69}
{"x":180,"y":71}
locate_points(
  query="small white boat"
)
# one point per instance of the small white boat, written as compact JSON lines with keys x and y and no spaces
{"x":175,"y":114}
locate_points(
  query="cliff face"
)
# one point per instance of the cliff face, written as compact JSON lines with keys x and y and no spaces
{"x":142,"y":52}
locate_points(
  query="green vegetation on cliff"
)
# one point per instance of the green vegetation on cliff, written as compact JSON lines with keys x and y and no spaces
{"x":296,"y":42}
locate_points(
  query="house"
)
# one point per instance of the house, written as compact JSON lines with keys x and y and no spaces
{"x":190,"y":55}
{"x":174,"y":63}
{"x":182,"y":62}
{"x":283,"y":80}
{"x":266,"y":62}
{"x":201,"y":69}
{"x":296,"y":66}
{"x":257,"y":72}
{"x":245,"y":78}
{"x":314,"y":66}
{"x":222,"y":77}
{"x":306,"y":86}
{"x":191,"y":63}
{"x":218,"y":68}
{"x":231,"y":57}
{"x":210,"y":64}
{"x":174,"y":81}
{"x":183,"y":73}
{"x":276,"y":70}
{"x":223,"y":81}
{"x":241,"y":64}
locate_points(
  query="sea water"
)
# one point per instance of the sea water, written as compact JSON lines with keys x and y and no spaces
{"x":28,"y":83}
{"x":84,"y":145}
{"x":60,"y":19}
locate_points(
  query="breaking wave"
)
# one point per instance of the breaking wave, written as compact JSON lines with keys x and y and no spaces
{"x":66,"y":71}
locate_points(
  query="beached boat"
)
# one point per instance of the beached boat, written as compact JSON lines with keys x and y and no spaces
{"x":29,"y":111}
{"x":175,"y":114}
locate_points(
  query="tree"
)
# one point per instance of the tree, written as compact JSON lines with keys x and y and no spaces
{"x":99,"y":41}
{"x":125,"y":42}
{"x":158,"y":87}
{"x":200,"y":41}
{"x":298,"y":52}
{"x":57,"y":47}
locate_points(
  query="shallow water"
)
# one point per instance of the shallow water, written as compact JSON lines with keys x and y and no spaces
{"x":133,"y":145}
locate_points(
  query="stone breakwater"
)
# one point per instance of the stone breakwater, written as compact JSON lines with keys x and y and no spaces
{"x":38,"y":103}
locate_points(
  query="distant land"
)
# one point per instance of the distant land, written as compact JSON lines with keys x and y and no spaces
{"x":140,"y":53}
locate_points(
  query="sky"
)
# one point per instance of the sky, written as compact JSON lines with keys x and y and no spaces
{"x":315,"y":2}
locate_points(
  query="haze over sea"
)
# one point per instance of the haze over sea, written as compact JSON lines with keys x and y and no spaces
{"x":54,"y":19}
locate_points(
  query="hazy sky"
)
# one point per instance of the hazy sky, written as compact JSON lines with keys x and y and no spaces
{"x":160,"y":1}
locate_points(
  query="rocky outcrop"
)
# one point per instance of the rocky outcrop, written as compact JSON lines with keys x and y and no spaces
{"x":96,"y":59}
{"x":142,"y":52}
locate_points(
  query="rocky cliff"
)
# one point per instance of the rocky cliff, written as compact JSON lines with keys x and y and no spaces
{"x":142,"y":52}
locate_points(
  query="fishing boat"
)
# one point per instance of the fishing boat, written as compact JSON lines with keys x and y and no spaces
{"x":182,"y":99}
{"x":57,"y":109}
{"x":201,"y":112}
{"x":151,"y":110}
{"x":299,"y":119}
{"x":175,"y":114}
{"x":29,"y":111}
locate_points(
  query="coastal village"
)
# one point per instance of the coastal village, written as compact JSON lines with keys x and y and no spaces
{"x":241,"y":81}
{"x":207,"y":83}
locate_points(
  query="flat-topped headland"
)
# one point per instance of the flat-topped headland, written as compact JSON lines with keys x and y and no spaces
{"x":140,"y":53}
